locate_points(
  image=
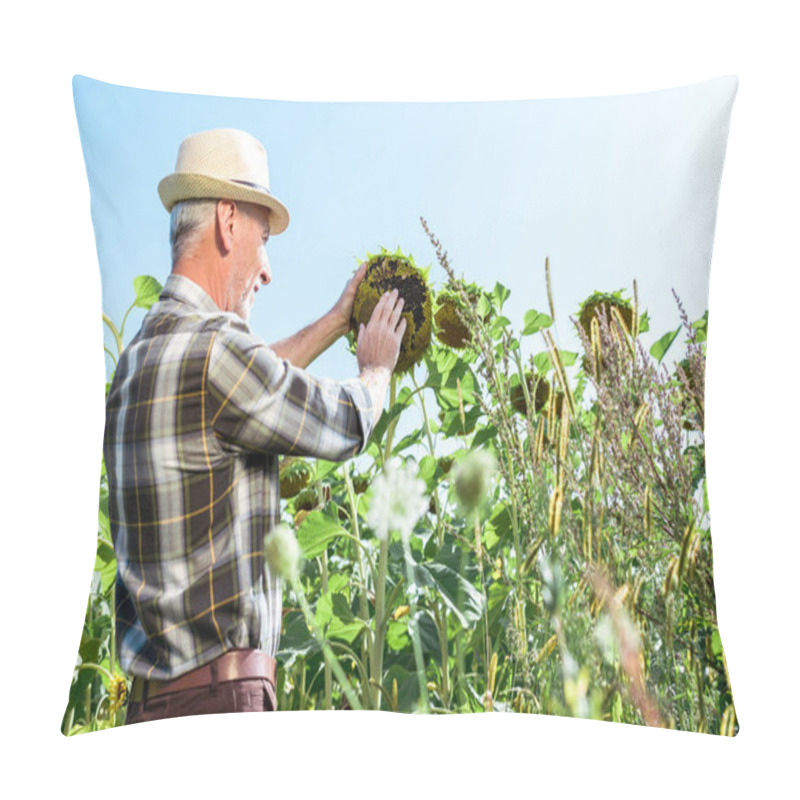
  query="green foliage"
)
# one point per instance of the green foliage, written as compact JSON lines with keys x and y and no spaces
{"x":582,"y":588}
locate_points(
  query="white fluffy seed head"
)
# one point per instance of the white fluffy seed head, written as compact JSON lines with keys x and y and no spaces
{"x":282,"y":552}
{"x":398,"y":500}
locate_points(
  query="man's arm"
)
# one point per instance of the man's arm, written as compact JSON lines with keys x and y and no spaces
{"x":305,"y":345}
{"x":302,"y":348}
{"x":376,"y":379}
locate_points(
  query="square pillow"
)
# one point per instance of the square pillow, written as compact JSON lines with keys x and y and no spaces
{"x":489,"y":497}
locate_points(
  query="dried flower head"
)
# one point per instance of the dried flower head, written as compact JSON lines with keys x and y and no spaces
{"x":603,"y":302}
{"x":452,"y":323}
{"x":388,"y":271}
{"x":539,"y":391}
{"x":398,"y":500}
{"x":295,"y":475}
{"x":282,"y":552}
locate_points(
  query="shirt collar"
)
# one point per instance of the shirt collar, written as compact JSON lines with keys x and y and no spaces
{"x":185,"y":290}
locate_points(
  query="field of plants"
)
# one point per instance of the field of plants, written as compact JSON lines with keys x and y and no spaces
{"x":540,"y":544}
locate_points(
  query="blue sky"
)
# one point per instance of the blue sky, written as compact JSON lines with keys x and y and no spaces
{"x":611,"y":189}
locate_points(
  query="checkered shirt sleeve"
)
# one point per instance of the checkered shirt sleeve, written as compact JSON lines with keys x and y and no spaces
{"x":264,"y":404}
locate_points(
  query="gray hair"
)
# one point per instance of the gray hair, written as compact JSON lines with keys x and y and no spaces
{"x":187,"y":222}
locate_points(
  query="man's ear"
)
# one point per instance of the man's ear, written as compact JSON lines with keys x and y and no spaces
{"x":226,"y":213}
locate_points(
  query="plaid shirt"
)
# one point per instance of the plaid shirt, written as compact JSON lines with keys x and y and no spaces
{"x":196,"y":415}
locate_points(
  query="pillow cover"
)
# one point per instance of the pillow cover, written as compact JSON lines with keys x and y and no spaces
{"x":525,"y":528}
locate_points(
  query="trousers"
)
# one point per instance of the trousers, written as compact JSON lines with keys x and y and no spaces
{"x":252,"y":694}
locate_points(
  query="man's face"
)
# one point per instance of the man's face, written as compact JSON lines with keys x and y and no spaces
{"x":250,"y":267}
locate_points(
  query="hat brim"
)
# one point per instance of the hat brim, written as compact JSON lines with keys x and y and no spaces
{"x":191,"y":186}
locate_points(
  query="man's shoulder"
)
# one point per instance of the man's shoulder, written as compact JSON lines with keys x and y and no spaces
{"x":166,"y":318}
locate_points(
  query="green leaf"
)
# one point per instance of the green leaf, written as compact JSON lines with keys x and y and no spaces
{"x":490,"y":537}
{"x":397,"y":634}
{"x":402,"y":401}
{"x":338,"y":583}
{"x":498,"y":592}
{"x":106,"y":572}
{"x":497,"y":325}
{"x":345,"y":631}
{"x":147,"y":290}
{"x":341,"y":608}
{"x":659,"y":349}
{"x":543,"y":362}
{"x":499,"y":295}
{"x":89,"y":650}
{"x":499,"y":526}
{"x":460,"y":596}
{"x":430,"y":472}
{"x":428,"y":633}
{"x":482,"y":436}
{"x":447,"y":389}
{"x":105,"y":552}
{"x":701,"y":327}
{"x":408,"y":441}
{"x":316,"y":533}
{"x":407,"y":687}
{"x":325,"y":468}
{"x":324,"y":611}
{"x":451,"y":424}
{"x":445,"y":360}
{"x":644,"y":322}
{"x":296,"y":639}
{"x":568,"y":358}
{"x":716,"y":643}
{"x":535,"y":321}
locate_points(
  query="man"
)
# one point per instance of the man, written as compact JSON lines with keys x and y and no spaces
{"x":196,"y":416}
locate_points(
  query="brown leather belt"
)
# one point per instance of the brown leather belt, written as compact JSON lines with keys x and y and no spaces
{"x":235,"y":665}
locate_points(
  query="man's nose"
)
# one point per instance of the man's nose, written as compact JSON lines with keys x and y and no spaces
{"x":266,"y":273}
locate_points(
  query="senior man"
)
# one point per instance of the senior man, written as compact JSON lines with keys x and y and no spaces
{"x":196,"y":416}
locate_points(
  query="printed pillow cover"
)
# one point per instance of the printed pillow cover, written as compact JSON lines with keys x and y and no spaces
{"x":525,"y":528}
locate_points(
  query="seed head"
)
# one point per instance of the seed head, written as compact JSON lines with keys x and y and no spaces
{"x":399,"y":499}
{"x":473,"y":476}
{"x":282,"y":552}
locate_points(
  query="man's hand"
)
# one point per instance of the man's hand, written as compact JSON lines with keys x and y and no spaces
{"x":379,"y":340}
{"x":379,"y":346}
{"x":343,"y":309}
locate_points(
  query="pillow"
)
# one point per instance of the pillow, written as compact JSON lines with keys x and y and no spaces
{"x":525,"y":528}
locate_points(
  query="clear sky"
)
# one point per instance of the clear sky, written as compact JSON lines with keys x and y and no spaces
{"x":611,"y":189}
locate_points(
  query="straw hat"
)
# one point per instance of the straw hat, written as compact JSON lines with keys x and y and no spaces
{"x":223,"y":164}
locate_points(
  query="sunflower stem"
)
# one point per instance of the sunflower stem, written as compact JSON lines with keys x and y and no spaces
{"x":327,"y":653}
{"x":412,"y":625}
{"x":377,"y":642}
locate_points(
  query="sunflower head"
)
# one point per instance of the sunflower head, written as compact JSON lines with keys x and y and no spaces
{"x":117,"y":692}
{"x":387,"y":271}
{"x":446,"y":462}
{"x":538,"y":390}
{"x":360,"y":483}
{"x":452,"y":327}
{"x":309,"y":498}
{"x":295,"y":475}
{"x":591,"y":307}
